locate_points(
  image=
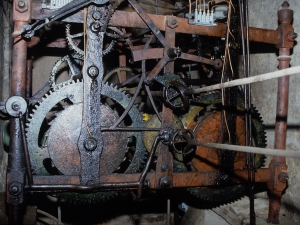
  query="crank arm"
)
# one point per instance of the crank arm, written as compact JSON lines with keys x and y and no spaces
{"x":27,"y":30}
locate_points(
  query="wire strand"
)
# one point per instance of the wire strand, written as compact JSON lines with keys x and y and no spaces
{"x":84,"y":70}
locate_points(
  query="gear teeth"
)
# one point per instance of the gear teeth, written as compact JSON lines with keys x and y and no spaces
{"x":48,"y":102}
{"x":51,"y":122}
{"x":70,"y":42}
{"x":57,"y":114}
{"x":66,"y":106}
{"x":225,"y":194}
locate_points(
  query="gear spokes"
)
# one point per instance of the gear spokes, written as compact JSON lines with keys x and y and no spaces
{"x":68,"y":121}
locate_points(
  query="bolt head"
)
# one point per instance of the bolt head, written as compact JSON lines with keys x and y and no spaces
{"x":164,"y":166}
{"x":95,"y":27}
{"x":96,"y":15}
{"x":165,"y":182}
{"x":16,"y":106}
{"x":15,"y":188}
{"x":21,"y":4}
{"x":93,"y":71}
{"x":172,"y":22}
{"x":90,"y":144}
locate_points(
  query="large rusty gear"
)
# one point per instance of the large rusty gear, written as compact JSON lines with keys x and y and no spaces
{"x":73,"y":91}
{"x":63,"y":148}
{"x":207,"y":125}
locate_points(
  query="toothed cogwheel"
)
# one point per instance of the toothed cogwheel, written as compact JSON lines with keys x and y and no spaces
{"x":62,"y":136}
{"x":115,"y":77}
{"x":79,"y":51}
{"x":206,"y":124}
{"x":72,"y":65}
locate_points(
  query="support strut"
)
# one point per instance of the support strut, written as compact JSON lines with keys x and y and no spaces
{"x":278,"y":165}
{"x":16,"y":170}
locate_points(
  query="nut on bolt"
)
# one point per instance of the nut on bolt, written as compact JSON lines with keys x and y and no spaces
{"x":90,"y":144}
{"x":93,"y":71}
{"x":165,"y":182}
{"x":172,"y":22}
{"x":16,"y":106}
{"x":21,"y":6}
{"x":164,"y":166}
{"x":15,"y":188}
{"x":283,"y":177}
{"x":292,"y":36}
{"x":96,"y":15}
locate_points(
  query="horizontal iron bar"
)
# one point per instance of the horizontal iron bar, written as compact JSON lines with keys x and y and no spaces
{"x":84,"y":188}
{"x":130,"y":129}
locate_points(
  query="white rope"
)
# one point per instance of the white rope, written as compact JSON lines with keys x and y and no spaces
{"x":249,"y":80}
{"x":263,"y":151}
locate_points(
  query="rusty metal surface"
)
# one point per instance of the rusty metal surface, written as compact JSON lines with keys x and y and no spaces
{"x":63,"y":148}
{"x":90,"y":126}
{"x":164,"y":164}
{"x":207,"y":129}
{"x":278,"y":164}
{"x":87,"y":141}
{"x":191,"y":179}
{"x":133,"y":21}
{"x":15,"y":178}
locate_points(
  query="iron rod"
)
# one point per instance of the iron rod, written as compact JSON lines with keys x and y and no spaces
{"x":26,"y":153}
{"x":130,"y":129}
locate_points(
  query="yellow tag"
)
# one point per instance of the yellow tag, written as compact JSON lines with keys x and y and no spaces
{"x":146,"y":116}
